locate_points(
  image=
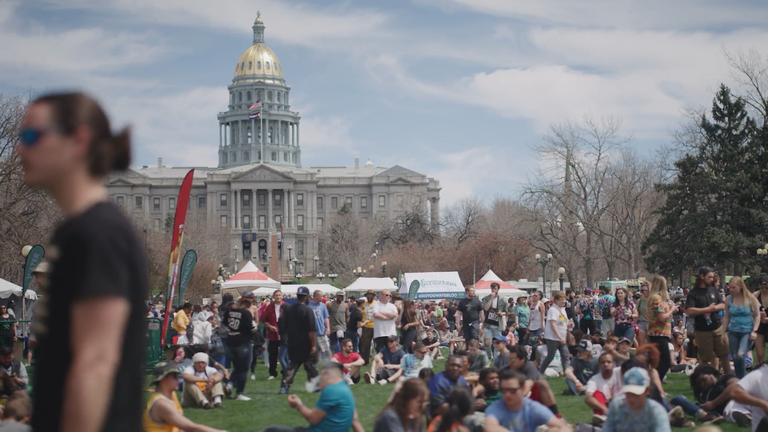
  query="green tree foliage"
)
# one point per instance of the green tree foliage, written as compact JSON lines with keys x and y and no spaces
{"x":715,"y":213}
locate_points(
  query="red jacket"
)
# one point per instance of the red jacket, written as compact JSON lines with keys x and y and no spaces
{"x":269,"y":317}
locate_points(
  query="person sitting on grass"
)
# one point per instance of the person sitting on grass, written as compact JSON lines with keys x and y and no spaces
{"x":16,"y":414}
{"x":386,"y":363}
{"x":412,"y":364}
{"x":535,"y":386}
{"x":712,"y":392}
{"x":351,"y":361}
{"x":471,"y":377}
{"x":202,"y":384}
{"x":334,"y":411}
{"x":515,"y":412}
{"x":502,"y":353}
{"x":581,"y":369}
{"x":487,"y":390}
{"x":189,"y":337}
{"x":441,"y":384}
{"x":432,"y":344}
{"x":458,"y":405}
{"x":164,"y":412}
{"x":636,"y":412}
{"x":404,"y":413}
{"x":13,"y":367}
{"x":752,"y":391}
{"x":478,"y":359}
{"x":599,"y":391}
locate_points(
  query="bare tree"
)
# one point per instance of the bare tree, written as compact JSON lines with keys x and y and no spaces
{"x":464,"y":219}
{"x":348,"y":242}
{"x":750,"y":69}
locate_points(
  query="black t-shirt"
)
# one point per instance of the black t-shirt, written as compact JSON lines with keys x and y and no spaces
{"x":6,"y":326}
{"x":240,"y":324}
{"x":701,"y":298}
{"x":428,"y":341}
{"x":451,"y":313}
{"x":96,"y":254}
{"x":569,"y":303}
{"x":355,"y":316}
{"x":583,"y":370}
{"x":470,"y":309}
{"x":714,"y":392}
{"x":300,"y":320}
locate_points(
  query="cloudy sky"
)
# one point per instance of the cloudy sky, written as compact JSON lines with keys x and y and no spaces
{"x":457,"y":89}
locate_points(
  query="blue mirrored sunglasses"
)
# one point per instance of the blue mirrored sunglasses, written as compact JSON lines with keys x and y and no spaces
{"x":30,"y":137}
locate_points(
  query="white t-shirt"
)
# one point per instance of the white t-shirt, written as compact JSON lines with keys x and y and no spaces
{"x":534,"y":319}
{"x":183,"y":340}
{"x":756,"y":384}
{"x":382,"y":327}
{"x":598,"y":383}
{"x":558,"y":315}
{"x":208,"y":373}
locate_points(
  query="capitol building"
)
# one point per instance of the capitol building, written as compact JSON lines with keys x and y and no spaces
{"x":259,"y":191}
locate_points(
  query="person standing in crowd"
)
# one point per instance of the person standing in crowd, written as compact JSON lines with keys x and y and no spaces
{"x":517,"y":413}
{"x":604,"y":304}
{"x":470,"y":313}
{"x":555,"y":332}
{"x":322,"y":325}
{"x":762,"y":331}
{"x":660,"y":310}
{"x":404,"y":412}
{"x":522,"y":312}
{"x":636,"y":412}
{"x":703,"y":303}
{"x":164,"y":412}
{"x":354,"y":322}
{"x":570,"y":304}
{"x":241,"y":326}
{"x":752,"y":391}
{"x":337,"y":309}
{"x":493,"y":309}
{"x":249,"y":302}
{"x":741,"y":321}
{"x":451,"y":315}
{"x":367,"y":337}
{"x":227,"y":301}
{"x":624,"y":314}
{"x":300,"y":328}
{"x":98,"y":282}
{"x":642,"y":313}
{"x":182,"y":319}
{"x":384,"y":316}
{"x":586,"y":307}
{"x":7,"y":327}
{"x":270,"y":317}
{"x":536,"y":319}
{"x":409,"y":326}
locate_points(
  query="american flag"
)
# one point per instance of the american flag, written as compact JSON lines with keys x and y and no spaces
{"x":256,"y":105}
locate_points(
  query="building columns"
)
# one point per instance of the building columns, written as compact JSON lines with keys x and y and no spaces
{"x":286,"y":218}
{"x":232,"y":209}
{"x":239,"y":198}
{"x":270,"y":219}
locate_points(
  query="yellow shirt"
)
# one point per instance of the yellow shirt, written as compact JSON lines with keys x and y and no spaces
{"x":150,"y":425}
{"x":368,"y":314}
{"x":180,"y":322}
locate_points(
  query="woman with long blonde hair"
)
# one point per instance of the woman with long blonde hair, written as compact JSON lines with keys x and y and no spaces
{"x":741,"y":320}
{"x":660,"y":310}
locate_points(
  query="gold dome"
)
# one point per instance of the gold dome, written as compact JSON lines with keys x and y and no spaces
{"x":259,"y":63}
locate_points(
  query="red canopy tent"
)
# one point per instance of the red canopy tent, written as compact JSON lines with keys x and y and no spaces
{"x":250,"y":276}
{"x":490,"y":277}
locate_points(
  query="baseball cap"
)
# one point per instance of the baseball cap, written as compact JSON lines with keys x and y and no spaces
{"x":162,"y":370}
{"x":248,"y":295}
{"x":622,"y":340}
{"x":500,"y":338}
{"x":584,"y":345}
{"x":636,"y":381}
{"x":42,"y":268}
{"x":200,"y":357}
{"x":302,"y":291}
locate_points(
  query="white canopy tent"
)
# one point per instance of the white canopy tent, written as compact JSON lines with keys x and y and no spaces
{"x":291,"y":289}
{"x":432,"y":286}
{"x":250,"y":277}
{"x":364,"y":284}
{"x":8,"y":289}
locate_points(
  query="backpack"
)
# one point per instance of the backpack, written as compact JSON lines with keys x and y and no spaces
{"x":606,"y":308}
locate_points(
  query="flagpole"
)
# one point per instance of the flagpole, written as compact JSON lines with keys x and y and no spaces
{"x":263,"y":132}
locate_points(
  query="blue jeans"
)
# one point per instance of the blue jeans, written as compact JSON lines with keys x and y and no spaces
{"x":739,"y":344}
{"x":282,"y":356}
{"x":688,"y":407}
{"x":624,"y":330}
{"x":241,"y":360}
{"x":353,"y":336}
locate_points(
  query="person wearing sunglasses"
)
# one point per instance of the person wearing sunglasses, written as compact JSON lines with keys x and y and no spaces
{"x":90,"y":351}
{"x":517,"y":413}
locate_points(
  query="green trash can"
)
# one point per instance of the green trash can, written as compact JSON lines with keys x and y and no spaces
{"x":154,"y":352}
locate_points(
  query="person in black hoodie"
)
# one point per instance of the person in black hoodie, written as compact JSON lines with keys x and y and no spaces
{"x":300,"y":328}
{"x":241,"y":327}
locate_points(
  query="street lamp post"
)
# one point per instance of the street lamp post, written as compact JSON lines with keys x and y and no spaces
{"x":358,"y":272}
{"x":316,"y":259}
{"x":320,"y":277}
{"x":333,"y":277}
{"x":237,"y":260}
{"x":296,"y":268}
{"x":561,"y":277}
{"x":383,"y":269}
{"x":544,"y":261}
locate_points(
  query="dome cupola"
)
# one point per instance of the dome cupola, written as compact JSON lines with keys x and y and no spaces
{"x":258,"y":62}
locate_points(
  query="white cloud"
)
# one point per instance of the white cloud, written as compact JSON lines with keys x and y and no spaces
{"x":471,"y":171}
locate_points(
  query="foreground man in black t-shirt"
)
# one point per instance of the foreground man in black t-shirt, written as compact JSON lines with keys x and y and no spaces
{"x":300,"y":320}
{"x":91,"y":326}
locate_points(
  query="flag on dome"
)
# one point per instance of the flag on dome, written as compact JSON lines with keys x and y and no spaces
{"x":254,"y":116}
{"x":256,"y":105}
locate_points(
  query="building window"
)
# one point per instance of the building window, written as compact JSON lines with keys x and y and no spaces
{"x":364,"y":202}
{"x":319,"y":223}
{"x":400,"y":200}
{"x":258,"y":64}
{"x":382,"y":201}
{"x":300,"y":247}
{"x":300,"y":199}
{"x":156,"y":203}
{"x":278,"y":221}
{"x":157,"y":224}
{"x":248,"y":94}
{"x":269,"y":93}
{"x":223,"y":199}
{"x":239,"y":96}
{"x":172,"y":203}
{"x":278,"y":200}
{"x":246,"y":222}
{"x":120,"y":201}
{"x":201,"y":202}
{"x":300,"y":222}
{"x":223,"y":221}
{"x":285,"y":157}
{"x":246,"y":200}
{"x":319,"y":203}
{"x":250,"y":66}
{"x":334,"y":202}
{"x":269,"y":139}
{"x":262,"y":222}
{"x":349,"y":202}
{"x":139,"y":202}
{"x":279,"y":96}
{"x":274,"y":154}
{"x":262,"y":199}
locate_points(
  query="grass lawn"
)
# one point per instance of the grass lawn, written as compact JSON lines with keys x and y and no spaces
{"x":267,"y":407}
